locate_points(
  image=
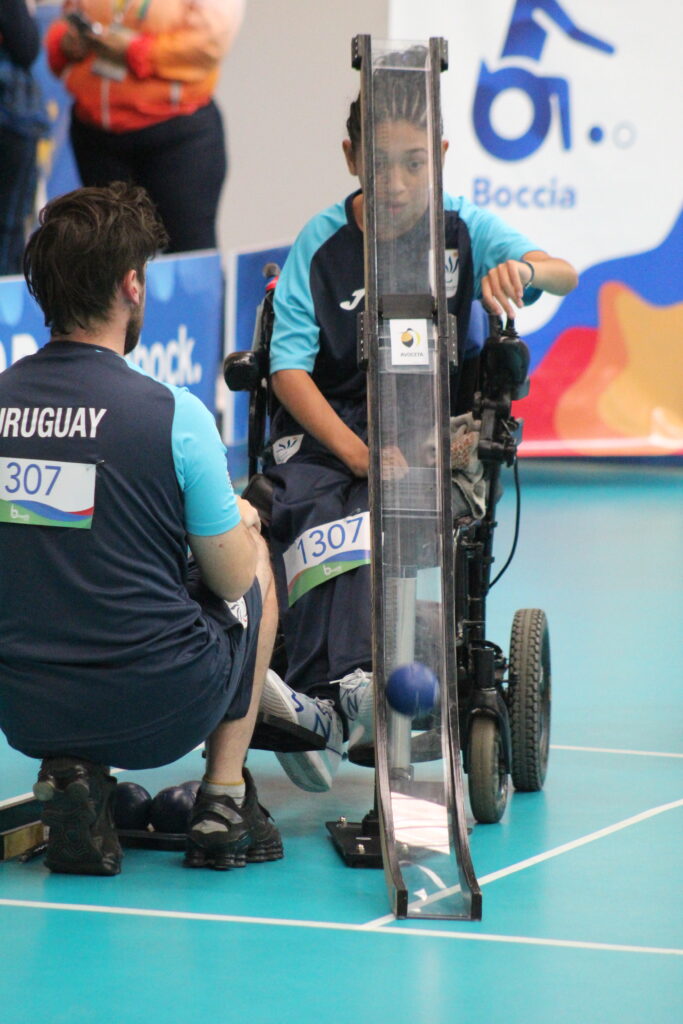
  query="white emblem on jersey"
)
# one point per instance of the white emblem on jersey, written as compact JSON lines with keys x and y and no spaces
{"x":351,"y":303}
{"x":452,"y":272}
{"x":285,"y":447}
{"x":239,"y":610}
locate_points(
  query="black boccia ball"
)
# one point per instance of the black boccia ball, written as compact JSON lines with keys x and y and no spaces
{"x":171,"y":809}
{"x":192,"y":787}
{"x":131,"y":806}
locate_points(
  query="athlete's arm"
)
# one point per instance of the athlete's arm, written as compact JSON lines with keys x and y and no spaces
{"x":301,"y":397}
{"x":503,"y":287}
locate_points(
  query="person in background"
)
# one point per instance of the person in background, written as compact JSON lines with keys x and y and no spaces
{"x":142,"y":74}
{"x":19,"y":47}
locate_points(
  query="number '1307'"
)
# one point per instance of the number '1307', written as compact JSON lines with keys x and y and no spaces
{"x":334,"y":538}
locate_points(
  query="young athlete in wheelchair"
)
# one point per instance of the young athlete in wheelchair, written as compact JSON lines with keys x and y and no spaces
{"x":306,"y":383}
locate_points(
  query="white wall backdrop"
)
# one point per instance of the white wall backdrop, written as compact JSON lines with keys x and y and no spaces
{"x":285,"y":92}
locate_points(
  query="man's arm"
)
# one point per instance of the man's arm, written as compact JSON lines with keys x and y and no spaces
{"x":227,"y":561}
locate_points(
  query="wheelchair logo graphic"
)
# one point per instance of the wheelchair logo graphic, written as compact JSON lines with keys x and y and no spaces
{"x":526,"y":38}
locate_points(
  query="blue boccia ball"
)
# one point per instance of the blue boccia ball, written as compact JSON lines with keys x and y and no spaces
{"x":412,"y":689}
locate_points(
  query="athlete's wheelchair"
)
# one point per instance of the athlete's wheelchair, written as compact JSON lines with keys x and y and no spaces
{"x":503,"y":702}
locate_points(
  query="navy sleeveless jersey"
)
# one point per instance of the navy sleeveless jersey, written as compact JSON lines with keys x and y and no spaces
{"x":101,"y":642}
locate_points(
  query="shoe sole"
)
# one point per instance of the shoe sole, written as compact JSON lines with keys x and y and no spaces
{"x":69,"y":815}
{"x":300,"y":769}
{"x":223,"y":860}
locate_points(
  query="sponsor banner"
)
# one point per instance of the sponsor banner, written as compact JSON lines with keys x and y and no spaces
{"x":558,"y":114}
{"x":182,"y":338}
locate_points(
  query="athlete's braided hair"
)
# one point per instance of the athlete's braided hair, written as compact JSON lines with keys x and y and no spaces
{"x":397,"y":97}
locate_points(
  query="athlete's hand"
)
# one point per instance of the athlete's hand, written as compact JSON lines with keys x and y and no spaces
{"x":248,"y":514}
{"x":502,"y":290}
{"x":358,"y":459}
{"x":393,"y":463}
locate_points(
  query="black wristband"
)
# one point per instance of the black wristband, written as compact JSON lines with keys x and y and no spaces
{"x":533,"y":272}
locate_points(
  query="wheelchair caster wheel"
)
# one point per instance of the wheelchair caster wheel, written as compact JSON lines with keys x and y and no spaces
{"x":487,"y":778}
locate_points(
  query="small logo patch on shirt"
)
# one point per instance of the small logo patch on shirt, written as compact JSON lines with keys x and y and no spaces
{"x":452,"y":272}
{"x":239,"y":610}
{"x":355,"y":299}
{"x":285,"y":447}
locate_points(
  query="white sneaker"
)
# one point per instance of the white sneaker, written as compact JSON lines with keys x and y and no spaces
{"x":312,"y":770}
{"x":357,"y":699}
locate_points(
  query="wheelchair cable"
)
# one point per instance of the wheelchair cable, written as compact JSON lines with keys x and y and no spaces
{"x":515,"y":471}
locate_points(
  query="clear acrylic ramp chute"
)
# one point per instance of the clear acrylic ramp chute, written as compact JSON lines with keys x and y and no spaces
{"x":407,"y":341}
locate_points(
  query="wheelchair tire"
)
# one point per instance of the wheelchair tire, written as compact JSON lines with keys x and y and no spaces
{"x":487,"y":777}
{"x":529,"y":699}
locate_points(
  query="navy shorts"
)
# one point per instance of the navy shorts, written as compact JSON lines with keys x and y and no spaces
{"x":239,"y":623}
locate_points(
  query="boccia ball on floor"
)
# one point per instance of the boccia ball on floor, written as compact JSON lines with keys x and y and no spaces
{"x":171,"y":809}
{"x":132,"y":805}
{"x":412,"y":689}
{"x":192,"y":787}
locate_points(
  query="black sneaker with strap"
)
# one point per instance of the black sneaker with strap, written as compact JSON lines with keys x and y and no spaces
{"x":77,"y":798}
{"x":223,"y":835}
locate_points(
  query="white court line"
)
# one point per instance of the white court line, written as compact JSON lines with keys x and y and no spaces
{"x":540,"y":857}
{"x":612,"y":750}
{"x":16,"y":799}
{"x":29,"y":796}
{"x":182,"y":915}
{"x":553,"y":746}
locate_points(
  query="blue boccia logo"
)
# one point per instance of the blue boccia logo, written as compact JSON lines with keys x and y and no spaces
{"x":412,"y":689}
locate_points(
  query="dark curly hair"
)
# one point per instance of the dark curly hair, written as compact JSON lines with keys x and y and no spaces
{"x":86,"y":242}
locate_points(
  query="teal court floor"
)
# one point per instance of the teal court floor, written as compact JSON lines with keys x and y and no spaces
{"x":582,"y":893}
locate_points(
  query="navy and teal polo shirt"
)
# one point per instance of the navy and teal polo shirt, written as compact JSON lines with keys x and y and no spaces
{"x":104,"y":471}
{"x":320,"y":291}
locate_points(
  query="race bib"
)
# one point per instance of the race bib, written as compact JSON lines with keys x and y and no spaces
{"x":325,"y":552}
{"x":34,"y":492}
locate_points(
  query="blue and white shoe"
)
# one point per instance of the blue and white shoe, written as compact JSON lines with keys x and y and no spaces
{"x":357,"y":699}
{"x":312,"y":770}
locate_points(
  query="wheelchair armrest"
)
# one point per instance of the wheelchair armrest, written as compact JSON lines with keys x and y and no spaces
{"x":244,"y":371}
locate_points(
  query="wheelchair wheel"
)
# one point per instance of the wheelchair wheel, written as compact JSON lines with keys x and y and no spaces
{"x":529,"y":697}
{"x":487,"y":777}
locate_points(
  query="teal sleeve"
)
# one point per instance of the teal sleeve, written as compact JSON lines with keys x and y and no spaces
{"x":201,"y":468}
{"x":493,"y":242}
{"x":296,"y":334}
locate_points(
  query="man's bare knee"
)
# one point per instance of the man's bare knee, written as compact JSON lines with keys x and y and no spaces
{"x":264,"y":572}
